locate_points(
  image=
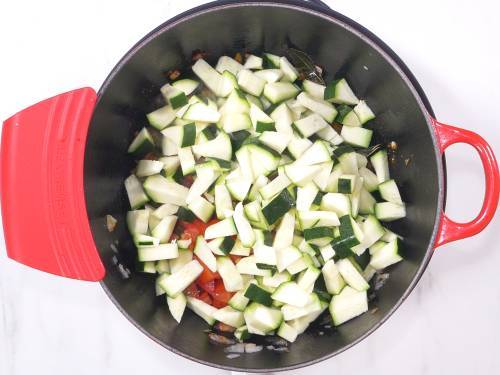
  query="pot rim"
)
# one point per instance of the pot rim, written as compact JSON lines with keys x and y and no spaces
{"x":390,"y":56}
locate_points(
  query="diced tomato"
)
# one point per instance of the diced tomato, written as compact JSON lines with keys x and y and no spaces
{"x":207,"y":275}
{"x":235,"y":258}
{"x":192,"y":230}
{"x":205,"y":297}
{"x":192,"y":290}
{"x":220,"y":294}
{"x":208,"y":287}
{"x":218,"y":304}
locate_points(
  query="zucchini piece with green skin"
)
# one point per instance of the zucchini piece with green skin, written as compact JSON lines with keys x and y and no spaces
{"x":314,"y":89}
{"x":248,"y":266}
{"x":380,"y":163}
{"x":386,"y":255}
{"x":201,"y":112}
{"x":363,"y":112}
{"x":291,"y":312}
{"x":301,"y":175}
{"x":389,"y":191}
{"x":262,"y":319}
{"x":210,"y":132}
{"x":278,"y":207}
{"x":242,"y":333}
{"x":202,"y":309}
{"x":290,"y":74}
{"x":286,"y":256}
{"x":370,"y":180}
{"x":205,"y":177}
{"x":245,"y":231}
{"x":350,"y":229}
{"x":230,"y":275}
{"x":185,"y":214}
{"x":142,"y":144}
{"x":232,"y":122}
{"x":351,"y":275}
{"x":253,"y":62}
{"x":148,"y":168}
{"x":177,"y":306}
{"x":252,"y":210}
{"x":228,"y":63}
{"x":146,"y":267}
{"x":170,"y":164}
{"x":162,"y":190}
{"x":357,"y":136}
{"x":276,"y":280}
{"x":211,"y":78}
{"x":300,"y":264}
{"x":257,"y":294}
{"x":321,"y":178}
{"x":308,"y":277}
{"x":229,"y":316}
{"x":175,"y":283}
{"x":334,"y":281}
{"x":270,"y":75}
{"x":310,"y":219}
{"x":388,"y":211}
{"x":159,"y":252}
{"x":137,"y":221}
{"x":340,"y":92}
{"x":389,"y":236}
{"x":223,"y":203}
{"x":161,"y":117}
{"x":223,"y":228}
{"x":278,"y":92}
{"x":136,"y":195}
{"x":236,"y":103}
{"x":283,"y":118}
{"x":168,"y":147}
{"x":275,"y":186}
{"x":239,"y":249}
{"x":238,"y":186}
{"x":270,"y":61}
{"x":372,"y":232}
{"x":188,"y":135}
{"x":260,"y":120}
{"x":238,"y":301}
{"x":187,"y":161}
{"x":284,"y":233}
{"x":346,"y":183}
{"x":325,"y":109}
{"x":219,"y":148}
{"x":222,"y":245}
{"x":250,"y":82}
{"x":184,"y":257}
{"x":257,"y":185}
{"x":175,"y":97}
{"x":306,"y":196}
{"x":318,"y":153}
{"x":309,"y":125}
{"x":366,"y":203}
{"x":264,"y":256}
{"x":336,"y":202}
{"x":203,"y":252}
{"x":164,"y":229}
{"x":186,"y":85}
{"x":301,"y":324}
{"x":264,"y":160}
{"x":318,"y":232}
{"x":327,"y":252}
{"x":349,"y":118}
{"x":287,"y":332}
{"x":290,"y":293}
{"x":347,"y":305}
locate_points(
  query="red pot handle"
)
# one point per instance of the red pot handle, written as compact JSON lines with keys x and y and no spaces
{"x":43,"y":205}
{"x":450,"y":230}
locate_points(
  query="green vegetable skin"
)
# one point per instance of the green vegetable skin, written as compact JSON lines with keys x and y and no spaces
{"x":260,"y":177}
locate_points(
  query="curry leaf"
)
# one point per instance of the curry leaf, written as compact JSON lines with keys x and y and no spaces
{"x":305,"y":65}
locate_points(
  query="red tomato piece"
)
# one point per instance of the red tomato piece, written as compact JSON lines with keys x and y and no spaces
{"x":205,"y":297}
{"x":208,"y":287}
{"x":235,"y":258}
{"x":220,"y":294}
{"x":192,"y":290}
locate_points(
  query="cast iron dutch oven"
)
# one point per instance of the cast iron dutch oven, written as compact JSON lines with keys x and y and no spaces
{"x":64,"y":161}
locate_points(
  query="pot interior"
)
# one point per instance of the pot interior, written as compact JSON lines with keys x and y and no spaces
{"x":132,"y":90}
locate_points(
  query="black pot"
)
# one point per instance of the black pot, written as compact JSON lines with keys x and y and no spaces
{"x":45,"y":149}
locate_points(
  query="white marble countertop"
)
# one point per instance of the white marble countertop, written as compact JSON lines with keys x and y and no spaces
{"x":449,"y":325}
